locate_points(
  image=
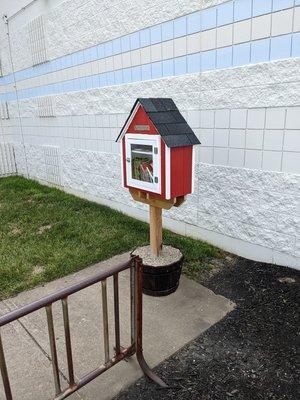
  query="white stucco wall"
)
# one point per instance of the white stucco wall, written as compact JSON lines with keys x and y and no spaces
{"x":247,"y":117}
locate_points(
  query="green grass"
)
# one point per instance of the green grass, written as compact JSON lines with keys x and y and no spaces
{"x":46,"y":234}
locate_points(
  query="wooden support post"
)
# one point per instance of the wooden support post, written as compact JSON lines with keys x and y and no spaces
{"x":155,"y":230}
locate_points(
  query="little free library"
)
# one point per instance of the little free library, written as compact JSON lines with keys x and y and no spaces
{"x":157,"y":167}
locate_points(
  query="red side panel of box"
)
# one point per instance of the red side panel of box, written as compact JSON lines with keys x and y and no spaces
{"x":181,"y":170}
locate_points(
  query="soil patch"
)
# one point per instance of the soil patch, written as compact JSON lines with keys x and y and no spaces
{"x":250,"y":354}
{"x":38,"y":269}
{"x":15,"y":232}
{"x":43,"y":229}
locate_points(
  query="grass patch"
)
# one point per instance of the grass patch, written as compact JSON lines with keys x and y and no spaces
{"x":46,"y":234}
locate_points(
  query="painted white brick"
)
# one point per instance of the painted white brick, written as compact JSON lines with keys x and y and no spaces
{"x":275,"y":118}
{"x":221,"y":137}
{"x":292,"y":140}
{"x":272,"y":160}
{"x":136,"y":57}
{"x":236,"y":157}
{"x":222,"y":118}
{"x":253,"y":159}
{"x":180,"y":46}
{"x":256,"y":118}
{"x":238,"y":118}
{"x":193,"y":118}
{"x":194,"y":43}
{"x":206,"y":154}
{"x":109,"y":64}
{"x":282,"y":22}
{"x":242,"y":31}
{"x":167,"y":49}
{"x":273,"y":140}
{"x":156,"y":52}
{"x":293,"y":118}
{"x":237,"y":138}
{"x":220,"y":155}
{"x":146,"y":54}
{"x":261,"y":27}
{"x":224,"y":36}
{"x":126,"y":59}
{"x":208,"y":39}
{"x":207,"y":137}
{"x":291,"y":162}
{"x":296,"y":26}
{"x":117,"y":61}
{"x":254,"y":139}
{"x":207,"y":118}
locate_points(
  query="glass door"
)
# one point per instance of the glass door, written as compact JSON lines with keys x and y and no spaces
{"x":143,"y":162}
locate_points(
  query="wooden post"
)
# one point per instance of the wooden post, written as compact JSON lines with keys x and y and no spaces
{"x":155,"y":230}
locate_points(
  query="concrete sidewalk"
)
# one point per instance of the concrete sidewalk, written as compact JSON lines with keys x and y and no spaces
{"x":169,"y":323}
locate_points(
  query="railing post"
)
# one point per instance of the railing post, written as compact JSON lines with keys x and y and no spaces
{"x":68,"y":340}
{"x":117,"y":314}
{"x":4,"y":373}
{"x":138,"y":306}
{"x":133,"y":303}
{"x":53,"y":349}
{"x":139,"y":324}
{"x":105,"y":320}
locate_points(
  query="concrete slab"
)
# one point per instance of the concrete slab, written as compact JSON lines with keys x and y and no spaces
{"x":29,"y":369}
{"x":169,"y":323}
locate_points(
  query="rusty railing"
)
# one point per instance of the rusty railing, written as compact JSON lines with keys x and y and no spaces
{"x":135,"y":266}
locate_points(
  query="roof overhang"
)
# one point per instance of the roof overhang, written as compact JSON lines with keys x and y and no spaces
{"x":128,"y":120}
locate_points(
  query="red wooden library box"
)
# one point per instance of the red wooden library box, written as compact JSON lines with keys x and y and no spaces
{"x":157,"y":150}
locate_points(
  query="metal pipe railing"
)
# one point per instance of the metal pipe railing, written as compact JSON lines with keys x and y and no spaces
{"x":53,"y":349}
{"x":60,"y":294}
{"x":68,"y":343}
{"x":135,"y":266}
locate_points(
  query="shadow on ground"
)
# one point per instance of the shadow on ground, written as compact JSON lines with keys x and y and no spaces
{"x":250,"y":354}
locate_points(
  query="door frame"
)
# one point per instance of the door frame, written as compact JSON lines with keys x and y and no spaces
{"x":154,"y":140}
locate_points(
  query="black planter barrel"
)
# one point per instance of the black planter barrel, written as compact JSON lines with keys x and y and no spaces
{"x":161,"y":281}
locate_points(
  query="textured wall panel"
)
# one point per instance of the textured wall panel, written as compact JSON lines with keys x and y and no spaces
{"x":37,"y":41}
{"x":7,"y":160}
{"x":44,"y":107}
{"x":4,"y":112}
{"x":52,"y":165}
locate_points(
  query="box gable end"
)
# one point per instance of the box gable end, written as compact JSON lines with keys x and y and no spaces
{"x":141,"y":123}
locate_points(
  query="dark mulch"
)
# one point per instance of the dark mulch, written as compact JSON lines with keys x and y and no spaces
{"x":250,"y":354}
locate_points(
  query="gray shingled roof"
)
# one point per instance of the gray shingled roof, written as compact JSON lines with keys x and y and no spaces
{"x":168,"y":121}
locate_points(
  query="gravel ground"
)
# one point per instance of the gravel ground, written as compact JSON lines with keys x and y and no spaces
{"x":250,"y":354}
{"x":168,"y":255}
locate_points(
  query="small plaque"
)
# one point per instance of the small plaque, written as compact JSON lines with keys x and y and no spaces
{"x":142,"y":127}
